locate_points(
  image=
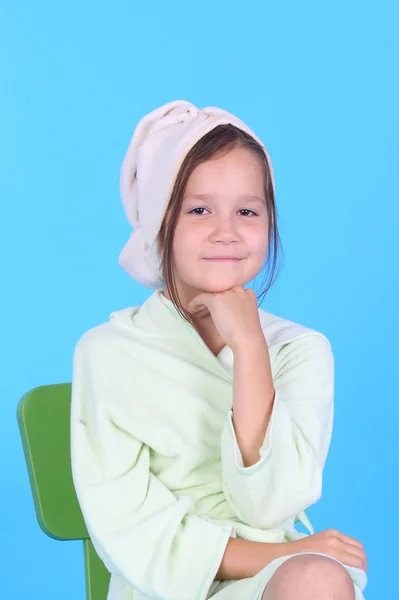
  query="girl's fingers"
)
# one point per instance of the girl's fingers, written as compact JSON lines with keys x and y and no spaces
{"x":349,"y":540}
{"x":355,"y":553}
{"x":354,"y":560}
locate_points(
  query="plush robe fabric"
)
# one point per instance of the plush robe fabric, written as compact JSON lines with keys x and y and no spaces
{"x":155,"y":460}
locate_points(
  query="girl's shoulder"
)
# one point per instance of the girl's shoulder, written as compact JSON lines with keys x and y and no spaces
{"x":109,"y":332}
{"x":279,"y":331}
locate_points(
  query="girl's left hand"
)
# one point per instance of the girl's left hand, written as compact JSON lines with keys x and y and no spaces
{"x":234,"y":313}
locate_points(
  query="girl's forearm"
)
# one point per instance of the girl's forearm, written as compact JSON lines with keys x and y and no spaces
{"x":253,"y":397}
{"x":243,"y":558}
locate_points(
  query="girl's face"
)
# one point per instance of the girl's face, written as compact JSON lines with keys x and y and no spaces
{"x":223,"y":214}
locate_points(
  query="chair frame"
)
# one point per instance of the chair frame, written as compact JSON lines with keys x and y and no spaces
{"x":43,"y":416}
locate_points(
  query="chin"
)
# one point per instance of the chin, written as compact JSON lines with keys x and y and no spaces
{"x":221,"y":285}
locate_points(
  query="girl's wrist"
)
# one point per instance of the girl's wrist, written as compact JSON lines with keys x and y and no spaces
{"x":254,"y":344}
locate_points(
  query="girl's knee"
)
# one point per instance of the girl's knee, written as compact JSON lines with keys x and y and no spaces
{"x":312,"y":578}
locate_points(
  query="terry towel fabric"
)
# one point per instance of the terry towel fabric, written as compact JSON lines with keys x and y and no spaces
{"x":156,"y":464}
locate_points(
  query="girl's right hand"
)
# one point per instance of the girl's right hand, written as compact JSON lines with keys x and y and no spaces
{"x":333,"y":543}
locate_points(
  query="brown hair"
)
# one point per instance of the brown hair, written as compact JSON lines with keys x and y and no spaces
{"x":218,"y":141}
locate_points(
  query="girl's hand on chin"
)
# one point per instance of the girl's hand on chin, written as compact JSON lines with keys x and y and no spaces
{"x":234,"y":313}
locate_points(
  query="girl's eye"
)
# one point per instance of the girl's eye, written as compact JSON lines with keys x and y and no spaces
{"x":192,"y":211}
{"x":248,"y":211}
{"x":202,"y":208}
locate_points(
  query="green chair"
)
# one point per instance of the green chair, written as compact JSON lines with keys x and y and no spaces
{"x":44,"y":422}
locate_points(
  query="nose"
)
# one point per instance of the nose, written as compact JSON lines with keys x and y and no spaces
{"x":223,"y":230}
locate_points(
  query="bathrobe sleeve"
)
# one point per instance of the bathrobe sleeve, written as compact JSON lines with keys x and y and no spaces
{"x":287,"y":479}
{"x":141,"y":531}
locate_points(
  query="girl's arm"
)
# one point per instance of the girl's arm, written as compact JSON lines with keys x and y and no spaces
{"x":244,"y":558}
{"x":287,"y":477}
{"x":143,"y":533}
{"x":253,"y":397}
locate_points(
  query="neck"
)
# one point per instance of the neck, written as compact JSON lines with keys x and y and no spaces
{"x":205,"y":327}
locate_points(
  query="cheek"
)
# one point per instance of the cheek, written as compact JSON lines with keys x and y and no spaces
{"x":186,"y":239}
{"x":258,"y":240}
{"x":184,"y":250}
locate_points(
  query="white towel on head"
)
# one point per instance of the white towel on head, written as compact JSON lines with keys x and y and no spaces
{"x":160,"y":142}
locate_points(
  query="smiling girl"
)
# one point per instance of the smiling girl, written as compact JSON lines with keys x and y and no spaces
{"x":200,"y":423}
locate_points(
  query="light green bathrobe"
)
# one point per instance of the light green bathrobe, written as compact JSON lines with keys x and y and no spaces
{"x":156,"y":464}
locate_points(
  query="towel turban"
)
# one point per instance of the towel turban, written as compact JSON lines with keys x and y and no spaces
{"x":157,"y":149}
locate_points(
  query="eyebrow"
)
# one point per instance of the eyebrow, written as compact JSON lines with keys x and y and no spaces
{"x":212,"y":197}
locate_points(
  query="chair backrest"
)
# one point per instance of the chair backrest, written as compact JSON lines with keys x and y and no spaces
{"x":44,"y":422}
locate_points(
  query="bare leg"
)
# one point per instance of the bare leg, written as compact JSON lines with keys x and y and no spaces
{"x":307,"y":577}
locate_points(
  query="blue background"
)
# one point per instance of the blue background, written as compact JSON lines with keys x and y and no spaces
{"x":318,"y":82}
